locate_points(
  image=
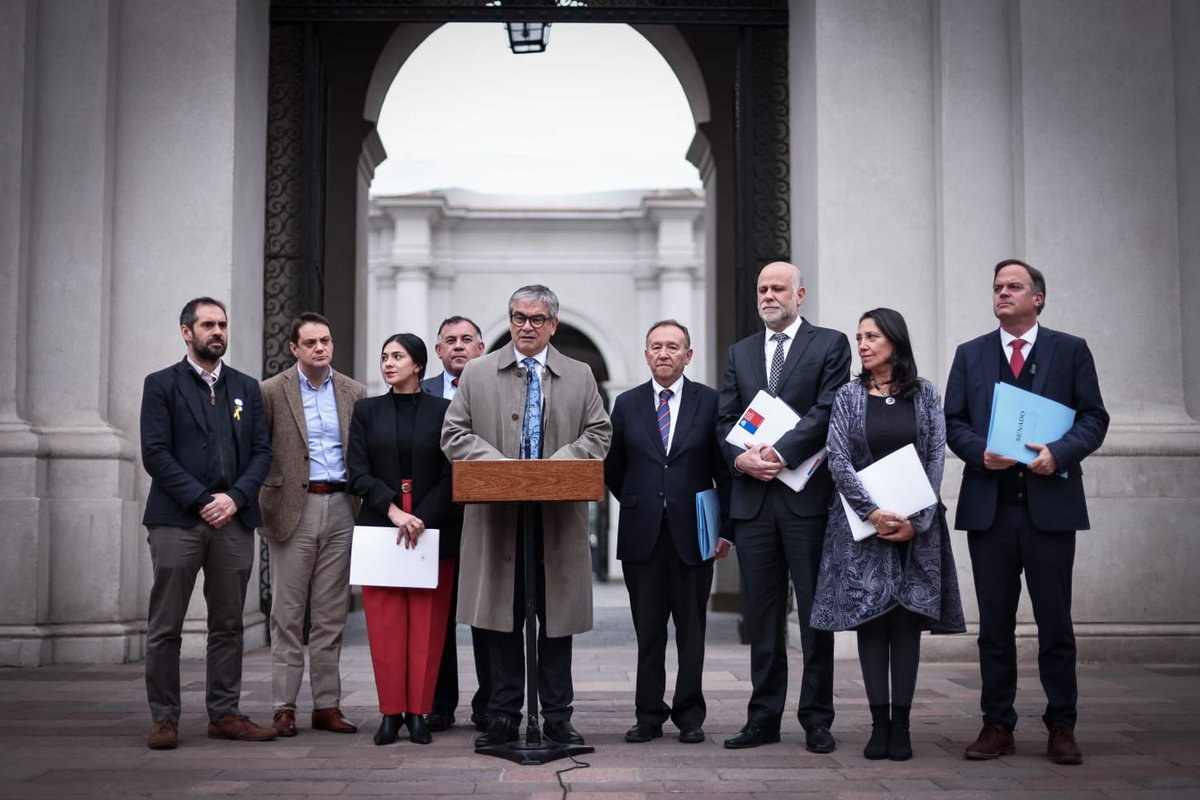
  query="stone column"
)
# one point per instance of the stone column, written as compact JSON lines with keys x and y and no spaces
{"x":24,"y":580}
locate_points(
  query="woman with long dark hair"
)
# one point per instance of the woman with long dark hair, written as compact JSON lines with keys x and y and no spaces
{"x":397,"y":467}
{"x":901,"y":581}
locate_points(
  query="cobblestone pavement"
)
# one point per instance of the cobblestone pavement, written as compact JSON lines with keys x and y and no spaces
{"x":76,"y":732}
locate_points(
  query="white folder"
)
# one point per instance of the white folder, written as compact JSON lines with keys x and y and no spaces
{"x":764,"y":421}
{"x":896,"y":482}
{"x":376,"y":559}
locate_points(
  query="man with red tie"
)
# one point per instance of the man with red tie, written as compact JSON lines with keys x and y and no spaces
{"x":1022,"y":518}
{"x":459,"y":340}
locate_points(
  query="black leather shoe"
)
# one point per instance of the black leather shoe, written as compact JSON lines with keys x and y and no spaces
{"x":820,"y":740}
{"x":752,"y":735}
{"x":439,"y":722}
{"x":480,"y":721}
{"x":389,"y":729}
{"x":642,"y":733}
{"x":501,"y":730}
{"x":692,"y":735}
{"x":418,"y":729}
{"x":563,"y":732}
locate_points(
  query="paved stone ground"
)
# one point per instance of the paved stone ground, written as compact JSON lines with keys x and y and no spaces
{"x":77,"y":732}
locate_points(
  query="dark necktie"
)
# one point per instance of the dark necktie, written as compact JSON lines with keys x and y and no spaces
{"x":531,"y":427}
{"x":776,"y":362}
{"x":454,"y":382}
{"x":1017,"y":361}
{"x":664,"y":417}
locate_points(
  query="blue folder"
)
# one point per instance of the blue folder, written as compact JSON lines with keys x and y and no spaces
{"x":1020,"y":417}
{"x":708,"y":522}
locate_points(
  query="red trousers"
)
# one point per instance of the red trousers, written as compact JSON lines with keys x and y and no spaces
{"x":406,"y":629}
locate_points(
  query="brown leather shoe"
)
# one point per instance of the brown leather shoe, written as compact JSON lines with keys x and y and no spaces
{"x":331,"y":719}
{"x":239,"y":727}
{"x":994,"y":741}
{"x":164,"y":735}
{"x":1061,"y":746}
{"x":285,"y":722}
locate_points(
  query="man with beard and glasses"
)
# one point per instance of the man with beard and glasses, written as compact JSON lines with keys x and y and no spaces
{"x":206,"y":448}
{"x":779,"y":531}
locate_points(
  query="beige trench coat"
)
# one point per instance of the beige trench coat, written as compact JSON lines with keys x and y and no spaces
{"x":484,"y":422}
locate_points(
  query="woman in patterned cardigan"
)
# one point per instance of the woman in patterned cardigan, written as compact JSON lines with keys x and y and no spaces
{"x":890,"y":586}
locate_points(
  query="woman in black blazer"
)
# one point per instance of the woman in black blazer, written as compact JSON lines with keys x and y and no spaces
{"x":397,"y":467}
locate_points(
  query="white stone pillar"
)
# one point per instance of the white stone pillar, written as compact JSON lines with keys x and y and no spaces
{"x":187,"y":216}
{"x":24,"y":572}
{"x":410,"y":311}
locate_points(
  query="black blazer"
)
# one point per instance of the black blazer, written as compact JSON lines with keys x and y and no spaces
{"x":174,"y":434}
{"x":817,"y":365}
{"x":374,"y":466}
{"x":641,"y":475}
{"x":1063,"y":371}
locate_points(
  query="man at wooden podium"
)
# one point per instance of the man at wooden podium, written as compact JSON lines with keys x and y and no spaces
{"x":527,"y":401}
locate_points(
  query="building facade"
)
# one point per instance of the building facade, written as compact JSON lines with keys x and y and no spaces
{"x":904,"y":148}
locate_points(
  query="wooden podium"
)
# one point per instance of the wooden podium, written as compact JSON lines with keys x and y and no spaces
{"x":530,"y":483}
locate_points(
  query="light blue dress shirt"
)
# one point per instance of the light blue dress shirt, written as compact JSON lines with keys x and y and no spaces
{"x":326,"y":462}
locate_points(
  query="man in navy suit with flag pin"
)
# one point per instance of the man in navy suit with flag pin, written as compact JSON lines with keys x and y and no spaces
{"x":664,"y":451}
{"x":1022,"y":518}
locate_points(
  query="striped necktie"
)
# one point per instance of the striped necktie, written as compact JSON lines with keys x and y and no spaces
{"x":664,"y":417}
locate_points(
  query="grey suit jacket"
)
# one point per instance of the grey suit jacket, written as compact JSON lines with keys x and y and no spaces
{"x":282,"y":496}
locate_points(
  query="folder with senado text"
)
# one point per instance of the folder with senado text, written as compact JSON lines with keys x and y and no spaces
{"x":897,"y":483}
{"x":764,"y":421}
{"x":708,"y":522}
{"x":1020,"y":417}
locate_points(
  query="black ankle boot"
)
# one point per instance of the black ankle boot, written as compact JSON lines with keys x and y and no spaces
{"x":389,"y":729}
{"x":899,"y":744}
{"x":418,"y":728}
{"x":877,"y":745}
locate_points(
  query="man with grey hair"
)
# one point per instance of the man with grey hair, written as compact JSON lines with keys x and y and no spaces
{"x":527,"y":401}
{"x":778,"y":531}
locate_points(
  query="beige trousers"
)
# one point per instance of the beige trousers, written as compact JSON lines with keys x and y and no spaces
{"x":316,"y":557}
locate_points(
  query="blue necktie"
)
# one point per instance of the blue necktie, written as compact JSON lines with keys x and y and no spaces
{"x":664,"y":418}
{"x":531,"y":427}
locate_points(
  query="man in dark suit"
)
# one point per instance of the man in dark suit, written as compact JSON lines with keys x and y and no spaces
{"x":776,"y":529}
{"x":308,"y":521}
{"x":206,"y":448}
{"x":459,"y":340}
{"x":1023,"y":518}
{"x":664,"y":451}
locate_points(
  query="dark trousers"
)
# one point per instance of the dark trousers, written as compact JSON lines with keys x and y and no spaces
{"x":890,"y":645}
{"x":177,"y":555}
{"x":662,"y":588}
{"x":445,"y":696}
{"x":506,"y":650}
{"x":998,"y":557}
{"x":770,"y":546}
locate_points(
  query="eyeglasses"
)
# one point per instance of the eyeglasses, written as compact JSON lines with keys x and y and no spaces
{"x":537,"y":320}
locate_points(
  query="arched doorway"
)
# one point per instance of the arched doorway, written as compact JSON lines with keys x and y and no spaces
{"x":331,"y":63}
